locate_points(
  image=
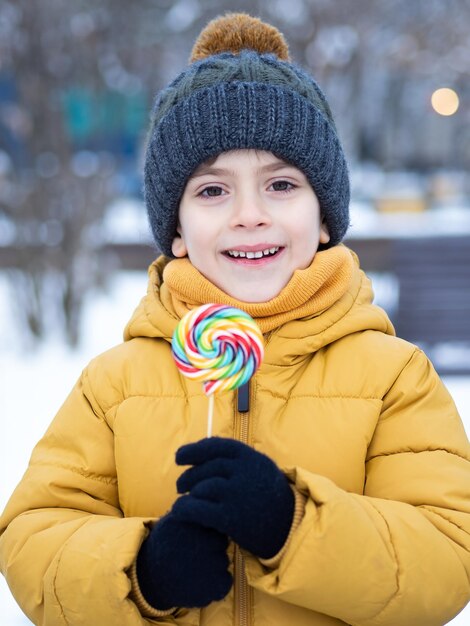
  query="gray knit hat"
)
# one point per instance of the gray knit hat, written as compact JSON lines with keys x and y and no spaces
{"x":242,"y":92}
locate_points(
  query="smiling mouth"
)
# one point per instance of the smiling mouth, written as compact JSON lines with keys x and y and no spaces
{"x":253,"y":255}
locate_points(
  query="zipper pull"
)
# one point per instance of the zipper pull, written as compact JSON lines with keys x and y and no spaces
{"x":243,"y":398}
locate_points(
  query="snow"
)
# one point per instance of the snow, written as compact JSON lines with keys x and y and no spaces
{"x":7,"y":231}
{"x":368,"y":223}
{"x":50,"y":372}
{"x":126,"y":221}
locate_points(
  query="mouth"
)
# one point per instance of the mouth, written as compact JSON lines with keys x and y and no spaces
{"x":253,"y":254}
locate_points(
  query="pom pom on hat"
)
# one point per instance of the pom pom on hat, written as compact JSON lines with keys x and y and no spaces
{"x":239,"y":31}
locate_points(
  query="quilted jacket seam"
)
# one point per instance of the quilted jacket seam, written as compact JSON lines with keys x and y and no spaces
{"x":108,"y":480}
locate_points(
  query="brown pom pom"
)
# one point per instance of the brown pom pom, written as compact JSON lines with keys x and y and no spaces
{"x":239,"y":31}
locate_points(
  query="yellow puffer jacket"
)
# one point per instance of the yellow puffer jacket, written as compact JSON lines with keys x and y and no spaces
{"x":356,"y":417}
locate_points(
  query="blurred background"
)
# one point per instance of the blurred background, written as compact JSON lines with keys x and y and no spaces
{"x":77,"y":82}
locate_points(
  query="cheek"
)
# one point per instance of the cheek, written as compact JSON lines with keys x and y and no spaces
{"x":306,"y":226}
{"x":305,"y":233}
{"x":197,"y":233}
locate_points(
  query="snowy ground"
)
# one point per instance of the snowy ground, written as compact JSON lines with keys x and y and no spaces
{"x":48,"y":374}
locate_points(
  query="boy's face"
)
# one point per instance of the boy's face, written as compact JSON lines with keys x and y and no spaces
{"x":247,"y":221}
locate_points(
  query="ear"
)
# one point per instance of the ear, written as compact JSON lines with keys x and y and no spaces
{"x":178,"y":247}
{"x":324,"y":234}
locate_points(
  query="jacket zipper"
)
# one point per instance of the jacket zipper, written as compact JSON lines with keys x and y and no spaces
{"x":242,"y":591}
{"x":242,"y":595}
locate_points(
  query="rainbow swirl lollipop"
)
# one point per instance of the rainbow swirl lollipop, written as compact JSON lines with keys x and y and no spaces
{"x":219,"y":345}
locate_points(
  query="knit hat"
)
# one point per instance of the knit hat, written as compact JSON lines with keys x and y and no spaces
{"x":242,"y":91}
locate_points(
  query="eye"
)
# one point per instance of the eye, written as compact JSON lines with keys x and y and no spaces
{"x":211,"y":192}
{"x":282,"y":185}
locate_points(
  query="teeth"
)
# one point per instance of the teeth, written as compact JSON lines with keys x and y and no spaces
{"x":253,"y":255}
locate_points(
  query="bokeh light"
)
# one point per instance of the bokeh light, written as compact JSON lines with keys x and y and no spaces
{"x":445,"y":101}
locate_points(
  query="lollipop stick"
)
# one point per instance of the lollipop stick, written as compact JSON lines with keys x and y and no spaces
{"x":210,"y":415}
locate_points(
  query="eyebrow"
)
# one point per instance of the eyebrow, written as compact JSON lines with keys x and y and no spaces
{"x":204,"y":170}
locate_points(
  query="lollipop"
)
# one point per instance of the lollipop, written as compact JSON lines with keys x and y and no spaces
{"x":219,"y":345}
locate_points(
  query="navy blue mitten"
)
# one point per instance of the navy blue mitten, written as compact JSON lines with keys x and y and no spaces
{"x":182,"y":564}
{"x":238,"y":491}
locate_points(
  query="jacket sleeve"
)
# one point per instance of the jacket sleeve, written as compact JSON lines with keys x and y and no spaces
{"x":65,"y":547}
{"x":400,"y":552}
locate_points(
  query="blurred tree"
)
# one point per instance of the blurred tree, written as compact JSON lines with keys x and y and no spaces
{"x":77,"y":80}
{"x":55,"y":192}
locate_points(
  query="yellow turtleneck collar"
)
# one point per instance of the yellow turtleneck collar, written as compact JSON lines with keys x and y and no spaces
{"x":309,"y":291}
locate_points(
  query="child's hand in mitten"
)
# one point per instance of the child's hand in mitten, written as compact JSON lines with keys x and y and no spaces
{"x":182,"y":564}
{"x":237,"y":491}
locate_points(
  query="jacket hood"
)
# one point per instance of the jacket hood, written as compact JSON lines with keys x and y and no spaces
{"x":353,"y":312}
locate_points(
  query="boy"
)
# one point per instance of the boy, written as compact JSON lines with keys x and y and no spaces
{"x":342,"y":495}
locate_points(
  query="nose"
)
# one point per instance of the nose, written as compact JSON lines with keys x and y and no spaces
{"x":249,"y":211}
